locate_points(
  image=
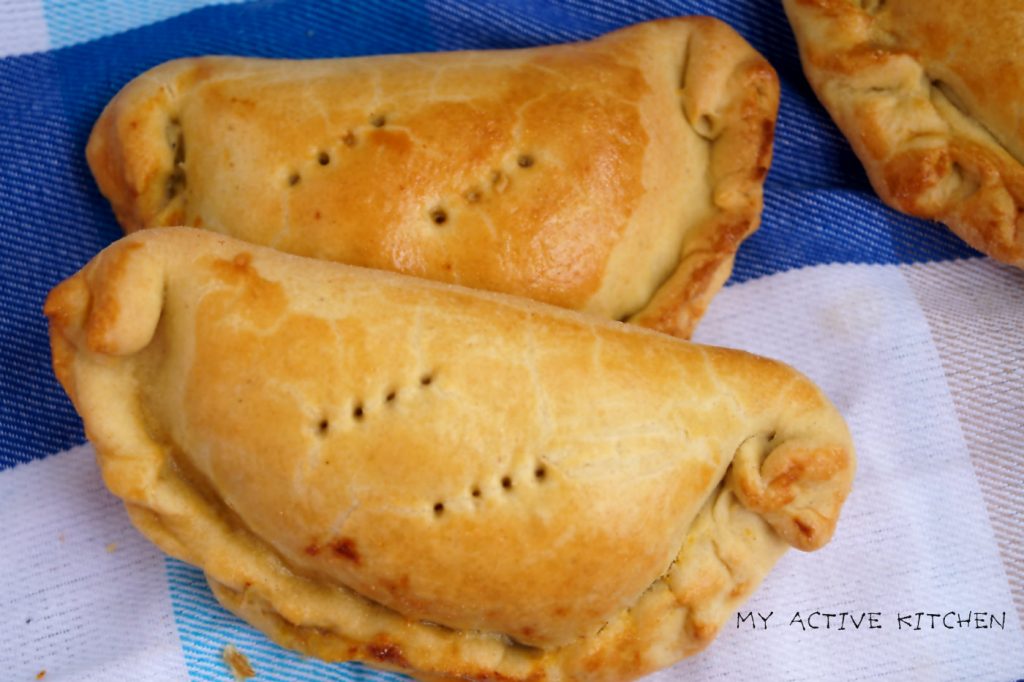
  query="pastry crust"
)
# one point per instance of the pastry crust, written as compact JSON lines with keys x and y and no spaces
{"x":434,"y":479}
{"x":929,"y":96}
{"x":616,"y":176}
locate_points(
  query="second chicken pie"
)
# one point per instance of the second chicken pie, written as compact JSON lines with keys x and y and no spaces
{"x":616,"y":176}
{"x":451,"y":483}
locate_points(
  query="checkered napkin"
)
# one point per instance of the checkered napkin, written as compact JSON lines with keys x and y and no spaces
{"x":916,"y":338}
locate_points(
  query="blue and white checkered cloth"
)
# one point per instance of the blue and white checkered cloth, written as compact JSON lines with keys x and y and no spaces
{"x":918,"y":339}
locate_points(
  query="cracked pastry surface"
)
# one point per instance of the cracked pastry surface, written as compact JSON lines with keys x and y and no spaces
{"x":931,"y":98}
{"x":616,"y":176}
{"x":434,"y":479}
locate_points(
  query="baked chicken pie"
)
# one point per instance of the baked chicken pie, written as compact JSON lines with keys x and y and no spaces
{"x":930,"y":96}
{"x":438,"y":480}
{"x":616,"y":176}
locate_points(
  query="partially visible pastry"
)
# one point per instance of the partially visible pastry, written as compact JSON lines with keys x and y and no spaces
{"x":616,"y":176}
{"x":434,"y":479}
{"x":930,"y":95}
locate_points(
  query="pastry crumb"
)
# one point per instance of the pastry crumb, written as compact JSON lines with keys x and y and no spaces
{"x":41,"y":674}
{"x":60,"y":538}
{"x":111,"y":547}
{"x":238,"y":663}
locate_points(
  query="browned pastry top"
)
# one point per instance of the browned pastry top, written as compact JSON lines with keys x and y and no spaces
{"x":616,"y":176}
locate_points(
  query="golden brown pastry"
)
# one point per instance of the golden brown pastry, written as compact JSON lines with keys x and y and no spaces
{"x":930,"y":96}
{"x":616,"y":176}
{"x":435,"y":479}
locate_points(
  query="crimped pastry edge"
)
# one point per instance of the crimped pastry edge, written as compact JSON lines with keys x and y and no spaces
{"x":941,"y":164}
